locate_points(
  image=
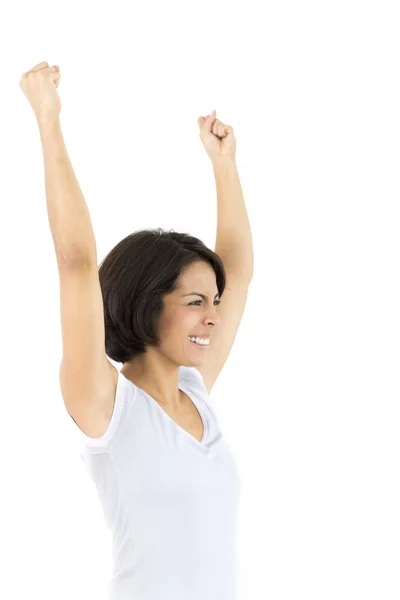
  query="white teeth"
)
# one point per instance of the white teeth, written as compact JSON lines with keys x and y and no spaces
{"x":199,"y":341}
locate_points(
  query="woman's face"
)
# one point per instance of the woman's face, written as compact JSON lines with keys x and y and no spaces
{"x":187,"y":314}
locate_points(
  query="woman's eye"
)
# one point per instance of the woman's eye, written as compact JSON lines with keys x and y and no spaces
{"x":215,"y":302}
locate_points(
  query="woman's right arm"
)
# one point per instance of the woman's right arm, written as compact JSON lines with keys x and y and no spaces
{"x":68,"y":213}
{"x":87,"y":378}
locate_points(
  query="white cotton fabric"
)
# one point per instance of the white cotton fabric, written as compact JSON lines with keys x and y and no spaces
{"x":169,"y":501}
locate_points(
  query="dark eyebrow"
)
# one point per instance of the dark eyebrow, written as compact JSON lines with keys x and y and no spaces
{"x":198,"y":294}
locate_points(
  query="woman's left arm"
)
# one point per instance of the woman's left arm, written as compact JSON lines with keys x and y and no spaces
{"x":234,"y":240}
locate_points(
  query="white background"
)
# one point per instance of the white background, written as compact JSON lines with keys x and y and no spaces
{"x":309,"y":397}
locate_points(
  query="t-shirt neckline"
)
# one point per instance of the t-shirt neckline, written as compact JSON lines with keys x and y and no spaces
{"x":184,"y":389}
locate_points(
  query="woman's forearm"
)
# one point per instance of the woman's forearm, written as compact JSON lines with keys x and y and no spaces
{"x":68,"y":213}
{"x":234,"y":243}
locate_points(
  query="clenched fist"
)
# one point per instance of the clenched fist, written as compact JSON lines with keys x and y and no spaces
{"x":218,"y":139}
{"x":40,"y":87}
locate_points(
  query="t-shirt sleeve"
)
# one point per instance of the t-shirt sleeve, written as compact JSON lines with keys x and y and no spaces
{"x":124,"y":397}
{"x":193,"y":378}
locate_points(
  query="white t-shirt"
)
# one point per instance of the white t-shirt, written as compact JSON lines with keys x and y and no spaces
{"x":169,"y":501}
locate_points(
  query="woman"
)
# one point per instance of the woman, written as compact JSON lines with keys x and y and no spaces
{"x":168,"y":308}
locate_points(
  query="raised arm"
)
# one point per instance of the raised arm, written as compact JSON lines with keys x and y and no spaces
{"x":68,"y":213}
{"x":69,"y":217}
{"x":88,"y":379}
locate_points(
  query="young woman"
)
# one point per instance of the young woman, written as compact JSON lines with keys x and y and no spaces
{"x":168,"y":308}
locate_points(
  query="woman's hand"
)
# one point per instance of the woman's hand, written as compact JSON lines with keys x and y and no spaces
{"x":218,"y":138}
{"x":40,"y":87}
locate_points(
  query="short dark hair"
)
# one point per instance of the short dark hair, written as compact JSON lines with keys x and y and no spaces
{"x":134,"y":277}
